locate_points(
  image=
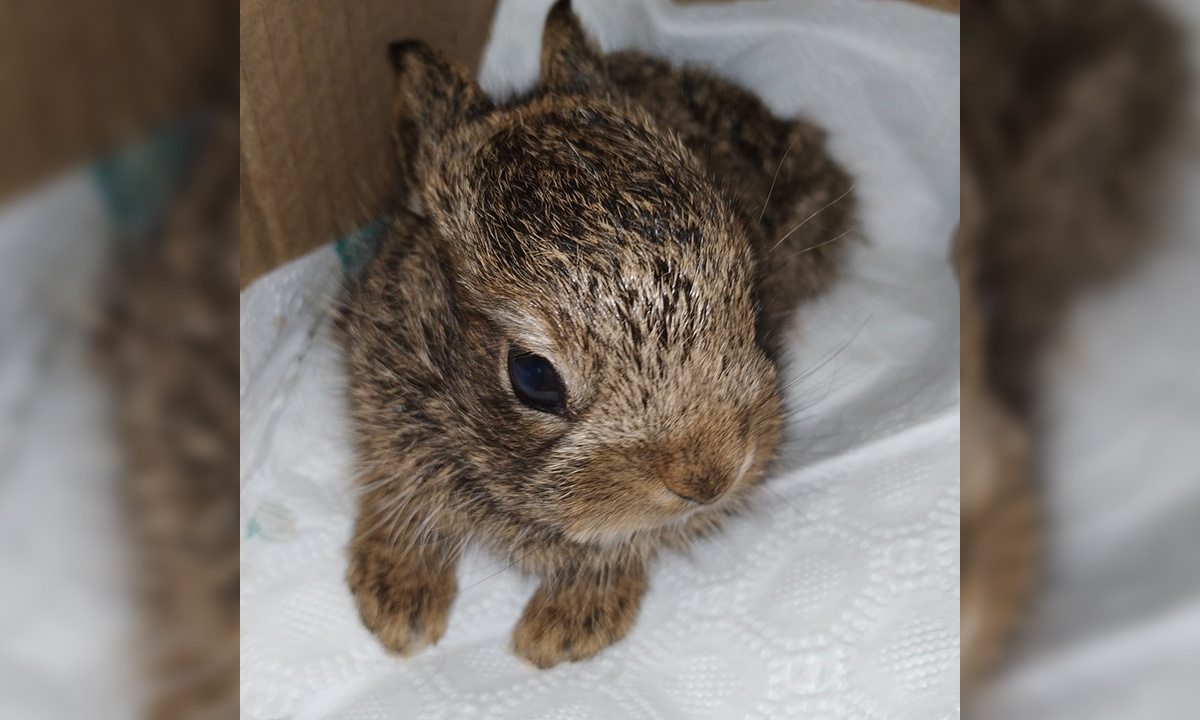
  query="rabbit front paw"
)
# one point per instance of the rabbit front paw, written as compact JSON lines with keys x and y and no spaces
{"x":403,"y":600}
{"x":575,"y":619}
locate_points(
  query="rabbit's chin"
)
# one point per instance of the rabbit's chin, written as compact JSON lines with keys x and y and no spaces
{"x":609,"y":532}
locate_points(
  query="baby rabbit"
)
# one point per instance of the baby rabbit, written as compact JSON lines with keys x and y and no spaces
{"x":567,"y":347}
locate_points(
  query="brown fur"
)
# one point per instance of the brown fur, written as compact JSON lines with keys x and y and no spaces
{"x":585,"y":223}
{"x":1000,"y":514}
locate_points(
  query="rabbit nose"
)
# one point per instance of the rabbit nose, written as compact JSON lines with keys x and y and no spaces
{"x":701,"y":489}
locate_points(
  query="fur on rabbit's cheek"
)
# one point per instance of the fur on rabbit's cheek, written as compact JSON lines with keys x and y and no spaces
{"x":747,"y":463}
{"x":609,"y":531}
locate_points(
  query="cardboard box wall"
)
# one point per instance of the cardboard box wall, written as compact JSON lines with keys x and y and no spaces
{"x":79,"y":78}
{"x":316,"y":98}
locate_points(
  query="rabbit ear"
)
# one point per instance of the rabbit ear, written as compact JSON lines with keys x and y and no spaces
{"x":571,"y":62}
{"x":433,"y":95}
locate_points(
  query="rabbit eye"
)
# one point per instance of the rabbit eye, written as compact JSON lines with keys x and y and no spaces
{"x":535,"y":382}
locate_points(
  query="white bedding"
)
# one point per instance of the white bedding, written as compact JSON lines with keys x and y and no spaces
{"x":839,"y":598}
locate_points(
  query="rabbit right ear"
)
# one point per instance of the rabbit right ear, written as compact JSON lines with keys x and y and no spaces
{"x":433,"y":95}
{"x":571,"y":62}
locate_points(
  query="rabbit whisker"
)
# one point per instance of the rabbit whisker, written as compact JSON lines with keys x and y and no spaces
{"x":828,"y":205}
{"x":775,"y":177}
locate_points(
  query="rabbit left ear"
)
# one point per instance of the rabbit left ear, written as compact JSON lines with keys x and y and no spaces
{"x":571,"y":62}
{"x":433,"y":95}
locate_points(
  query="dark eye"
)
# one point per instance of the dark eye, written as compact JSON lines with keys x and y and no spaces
{"x":535,"y":382}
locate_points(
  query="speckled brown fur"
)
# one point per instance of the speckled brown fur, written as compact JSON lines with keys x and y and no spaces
{"x":1000,"y":513}
{"x":777,"y":172}
{"x":610,"y":222}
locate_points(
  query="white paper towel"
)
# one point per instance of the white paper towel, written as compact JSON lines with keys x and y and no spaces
{"x":839,"y":598}
{"x":67,"y":616}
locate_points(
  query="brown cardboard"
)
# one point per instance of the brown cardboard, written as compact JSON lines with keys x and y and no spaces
{"x":316,"y":97}
{"x":78,"y":77}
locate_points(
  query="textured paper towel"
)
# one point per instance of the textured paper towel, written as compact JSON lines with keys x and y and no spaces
{"x":839,"y":598}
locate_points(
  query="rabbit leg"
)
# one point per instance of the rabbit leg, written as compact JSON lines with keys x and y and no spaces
{"x":583,"y":610}
{"x":403,"y":587}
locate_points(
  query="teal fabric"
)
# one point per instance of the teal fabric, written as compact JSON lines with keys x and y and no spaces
{"x":358,"y":247}
{"x":138,"y":181}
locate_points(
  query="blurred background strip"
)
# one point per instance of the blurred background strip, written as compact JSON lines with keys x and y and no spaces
{"x":118,"y":359}
{"x":1079,"y":253}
